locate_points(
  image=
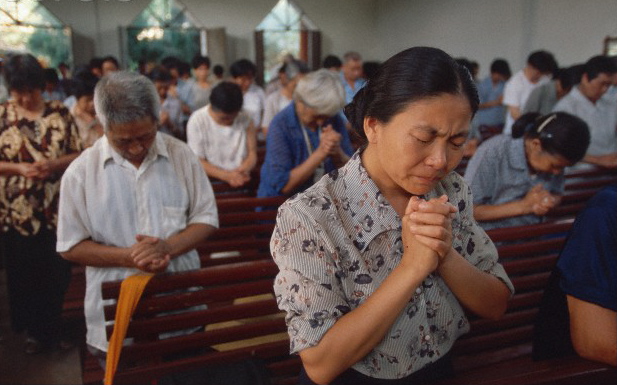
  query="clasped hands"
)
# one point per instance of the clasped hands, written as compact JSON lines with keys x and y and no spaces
{"x":150,"y":254}
{"x":539,"y":201}
{"x":41,"y":169}
{"x":427,"y":232}
{"x":329,"y":141}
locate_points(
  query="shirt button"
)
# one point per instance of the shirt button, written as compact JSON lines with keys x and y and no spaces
{"x":418,"y":291}
{"x":427,"y":337}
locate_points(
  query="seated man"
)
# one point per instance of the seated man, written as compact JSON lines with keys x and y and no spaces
{"x":586,"y":275}
{"x":137,"y":200}
{"x":223,"y":136}
{"x":589,"y":102}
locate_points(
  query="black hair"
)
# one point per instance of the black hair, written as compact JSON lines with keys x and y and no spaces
{"x":332,"y":61}
{"x":411,"y":75}
{"x":226,"y":97}
{"x":568,"y":78}
{"x":183,"y":68}
{"x":560,"y":133}
{"x":83,"y":85}
{"x":243,"y":67}
{"x":95,"y":62}
{"x":465,"y":62}
{"x":501,"y":67}
{"x":543,"y":61}
{"x":199,"y":60}
{"x":160,"y":74}
{"x":111,"y":59}
{"x":599,"y":65}
{"x":170,"y":62}
{"x":577,"y":71}
{"x":24,"y":73}
{"x":370,"y":68}
{"x":218,"y":70}
{"x":51,"y":76}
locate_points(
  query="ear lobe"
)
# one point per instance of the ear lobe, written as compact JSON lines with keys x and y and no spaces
{"x":371,"y":126}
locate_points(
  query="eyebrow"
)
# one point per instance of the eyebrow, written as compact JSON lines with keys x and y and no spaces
{"x":432,"y":131}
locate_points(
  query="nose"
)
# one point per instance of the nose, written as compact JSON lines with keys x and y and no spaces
{"x":438,"y":158}
{"x":136,"y":148}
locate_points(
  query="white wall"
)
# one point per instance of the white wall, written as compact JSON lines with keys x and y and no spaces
{"x":482,"y":30}
{"x":478,"y":29}
{"x":345,"y":24}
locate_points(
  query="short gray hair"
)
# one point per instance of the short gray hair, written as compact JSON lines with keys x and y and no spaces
{"x":352,"y":55}
{"x":321,"y":90}
{"x":123,"y":97}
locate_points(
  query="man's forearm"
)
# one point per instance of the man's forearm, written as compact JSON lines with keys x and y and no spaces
{"x":91,"y":253}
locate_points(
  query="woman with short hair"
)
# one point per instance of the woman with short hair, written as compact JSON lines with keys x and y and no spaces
{"x":38,"y":140}
{"x":307,"y":139}
{"x":380,"y":260}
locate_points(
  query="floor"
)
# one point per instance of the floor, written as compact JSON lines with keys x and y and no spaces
{"x":17,"y":367}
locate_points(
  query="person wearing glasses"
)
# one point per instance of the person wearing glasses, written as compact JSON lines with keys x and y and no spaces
{"x":136,"y":201}
{"x":307,"y":139}
{"x":517,"y":179}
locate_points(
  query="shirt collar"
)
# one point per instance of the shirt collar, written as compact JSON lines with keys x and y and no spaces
{"x":108,"y":153}
{"x":367,"y":209}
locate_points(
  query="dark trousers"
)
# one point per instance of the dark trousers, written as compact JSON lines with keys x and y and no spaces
{"x":439,"y":369}
{"x":37,"y":278}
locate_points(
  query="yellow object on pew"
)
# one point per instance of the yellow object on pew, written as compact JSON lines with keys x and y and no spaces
{"x":130,"y":293}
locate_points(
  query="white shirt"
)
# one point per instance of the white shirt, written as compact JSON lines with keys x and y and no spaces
{"x":223,"y":146}
{"x":105,"y":198}
{"x":254,"y":102}
{"x":275,"y":102}
{"x":601,"y":118}
{"x":516,"y":93}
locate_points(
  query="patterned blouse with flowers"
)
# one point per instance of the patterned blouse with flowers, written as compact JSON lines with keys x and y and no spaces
{"x":27,"y":203}
{"x":337,"y":242}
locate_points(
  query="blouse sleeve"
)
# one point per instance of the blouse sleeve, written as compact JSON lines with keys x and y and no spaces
{"x":306,"y":286}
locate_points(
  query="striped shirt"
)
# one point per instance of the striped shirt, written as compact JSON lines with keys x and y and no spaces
{"x":339,"y":240}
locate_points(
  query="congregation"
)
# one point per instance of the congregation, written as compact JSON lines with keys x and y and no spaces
{"x":120,"y":171}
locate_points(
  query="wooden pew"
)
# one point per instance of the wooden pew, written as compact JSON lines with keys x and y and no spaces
{"x":499,"y":352}
{"x":494,"y":352}
{"x":244,"y":233}
{"x":241,"y":322}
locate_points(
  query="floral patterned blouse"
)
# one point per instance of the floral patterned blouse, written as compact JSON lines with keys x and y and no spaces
{"x":27,"y":203}
{"x":337,"y":242}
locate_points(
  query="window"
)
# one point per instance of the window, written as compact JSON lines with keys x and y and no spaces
{"x":26,"y":26}
{"x":286,"y":30}
{"x":163,"y":28}
{"x":610,"y":46}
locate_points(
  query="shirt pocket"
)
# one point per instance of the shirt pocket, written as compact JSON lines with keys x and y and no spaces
{"x":174,"y":220}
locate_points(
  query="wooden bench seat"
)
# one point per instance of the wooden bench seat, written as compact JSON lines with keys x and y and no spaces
{"x":499,"y":352}
{"x":494,"y":352}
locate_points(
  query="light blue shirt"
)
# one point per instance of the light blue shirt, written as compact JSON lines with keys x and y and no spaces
{"x":492,"y":116}
{"x":351,"y":92}
{"x":498,"y":173}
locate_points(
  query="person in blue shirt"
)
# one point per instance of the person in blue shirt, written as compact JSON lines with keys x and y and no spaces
{"x":351,"y":75}
{"x":517,"y":179}
{"x":585,"y":321}
{"x":491,"y":111}
{"x":307,"y":139}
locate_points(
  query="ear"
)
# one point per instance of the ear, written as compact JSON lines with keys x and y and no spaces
{"x":371,"y":129}
{"x":536,"y":144}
